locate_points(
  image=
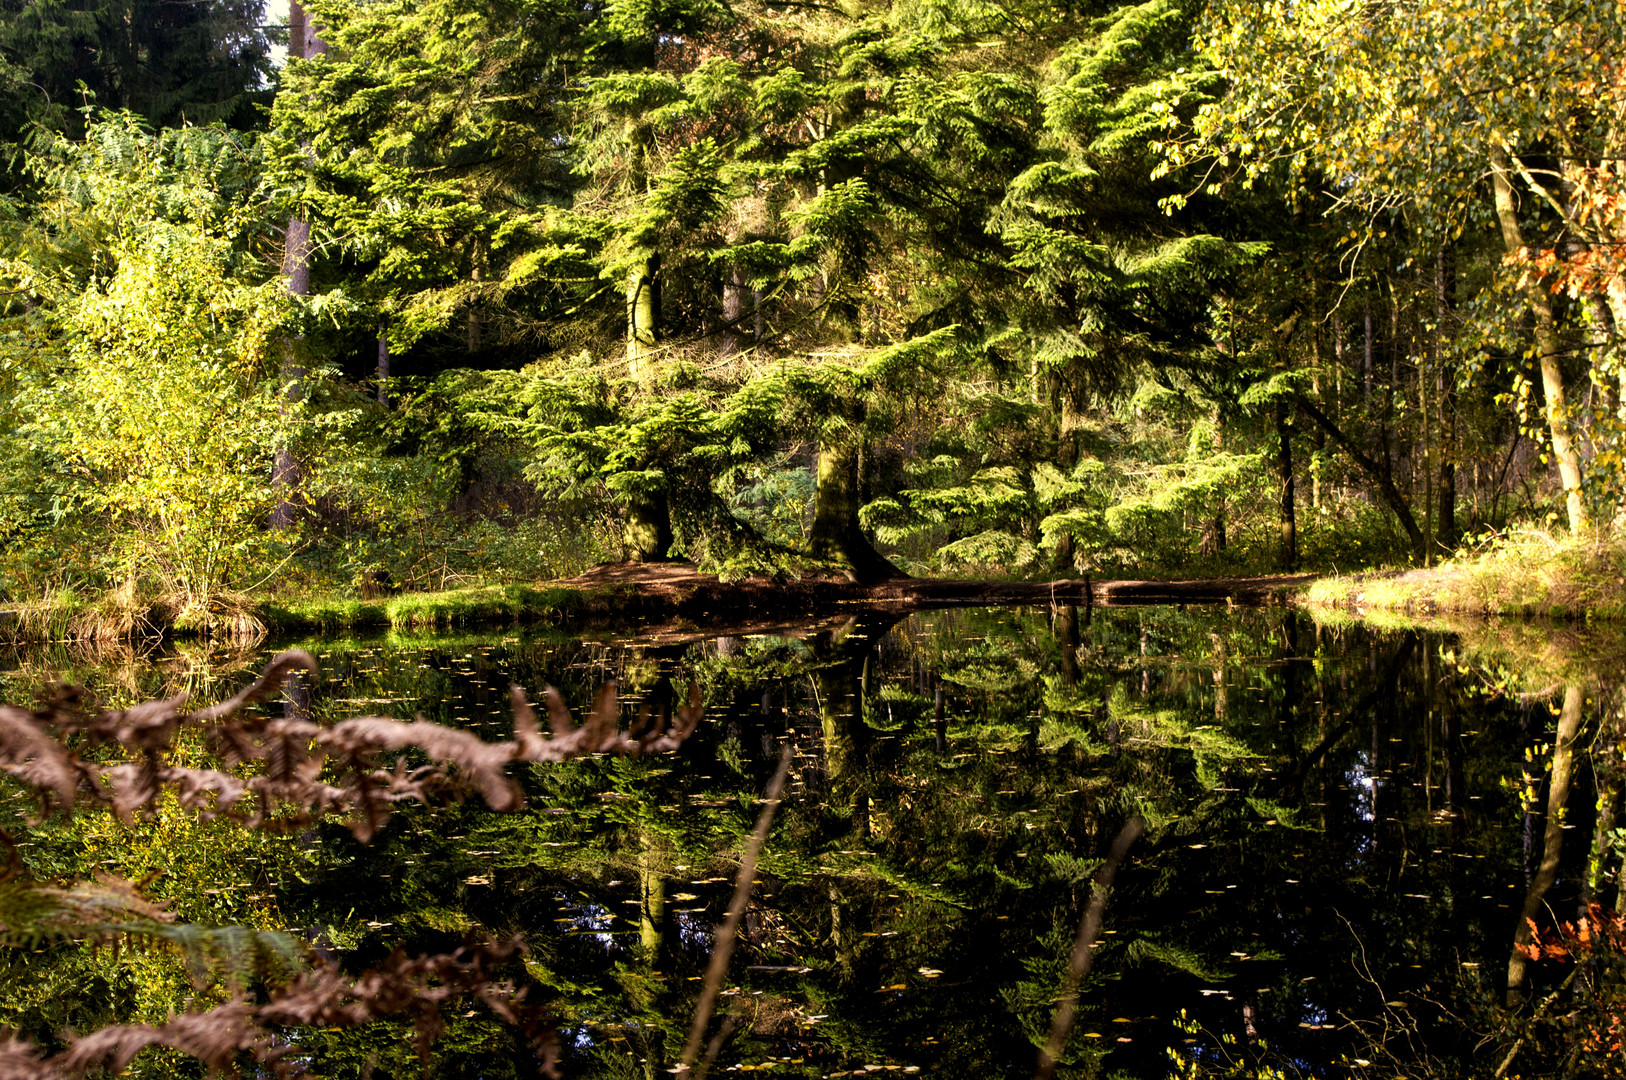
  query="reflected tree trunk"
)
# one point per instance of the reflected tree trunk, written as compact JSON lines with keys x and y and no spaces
{"x":651,"y":902}
{"x":842,"y":659}
{"x":1067,"y":636}
{"x":1145,"y":670}
{"x":939,"y":720}
{"x":1558,"y":793}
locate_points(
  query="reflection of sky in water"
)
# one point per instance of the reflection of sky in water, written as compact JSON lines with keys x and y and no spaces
{"x":591,"y":920}
{"x":694,"y":930}
{"x":1360,"y":780}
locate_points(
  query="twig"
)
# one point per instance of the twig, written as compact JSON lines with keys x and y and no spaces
{"x":1518,"y":1044}
{"x":1088,"y":930}
{"x":724,"y":947}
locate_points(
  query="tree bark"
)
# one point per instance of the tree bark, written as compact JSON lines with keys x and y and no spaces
{"x":476,"y":275}
{"x":1559,"y":428}
{"x":1289,"y":553}
{"x":647,"y":531}
{"x":643,"y":319}
{"x":836,"y":535}
{"x":287,"y":474}
{"x":383,"y":366}
{"x":735,"y":291}
{"x":1212,"y":540}
{"x":1444,"y":275}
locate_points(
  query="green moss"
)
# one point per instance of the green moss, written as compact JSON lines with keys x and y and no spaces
{"x":330,"y":613}
{"x":484,"y":606}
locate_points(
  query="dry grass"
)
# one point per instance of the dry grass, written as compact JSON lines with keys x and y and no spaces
{"x":125,"y":614}
{"x":1522,"y":572}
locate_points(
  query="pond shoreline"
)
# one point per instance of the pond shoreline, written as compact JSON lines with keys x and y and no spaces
{"x":631,"y":593}
{"x":678,"y":593}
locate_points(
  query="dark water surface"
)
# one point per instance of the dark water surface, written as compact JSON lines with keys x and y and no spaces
{"x":1340,"y":842}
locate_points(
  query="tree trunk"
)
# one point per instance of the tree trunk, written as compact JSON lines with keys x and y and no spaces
{"x":643,"y":319}
{"x":1548,"y":345}
{"x":1378,"y":473}
{"x":304,"y":42}
{"x":383,"y":366}
{"x":647,"y":531}
{"x":1366,"y":355}
{"x":1318,"y":445}
{"x":836,"y":535}
{"x":1212,"y":539}
{"x":1289,"y":554}
{"x":1444,"y":288}
{"x":476,"y":274}
{"x":735,"y":291}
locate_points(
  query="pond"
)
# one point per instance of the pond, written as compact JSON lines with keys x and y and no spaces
{"x":1344,"y":829}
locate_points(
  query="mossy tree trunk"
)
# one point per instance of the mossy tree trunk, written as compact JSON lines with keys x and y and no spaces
{"x":647,"y":531}
{"x":643,"y":318}
{"x":836,"y":535}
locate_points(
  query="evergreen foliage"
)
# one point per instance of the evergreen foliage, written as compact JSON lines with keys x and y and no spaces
{"x":936,"y":287}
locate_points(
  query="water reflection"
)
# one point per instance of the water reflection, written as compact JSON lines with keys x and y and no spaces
{"x":1336,"y":851}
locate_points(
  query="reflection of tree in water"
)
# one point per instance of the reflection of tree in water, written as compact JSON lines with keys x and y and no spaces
{"x":957,"y":778}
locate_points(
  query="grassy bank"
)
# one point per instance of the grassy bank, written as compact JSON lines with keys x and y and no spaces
{"x":487,"y":605}
{"x":1525,"y":573}
{"x":69,"y":616}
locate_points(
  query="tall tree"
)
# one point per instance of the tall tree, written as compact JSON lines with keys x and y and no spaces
{"x":169,"y":62}
{"x":1442,"y":111}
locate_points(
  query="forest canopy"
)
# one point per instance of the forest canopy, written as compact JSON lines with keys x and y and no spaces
{"x":494,"y":290}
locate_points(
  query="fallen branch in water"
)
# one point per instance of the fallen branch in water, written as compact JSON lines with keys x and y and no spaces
{"x":723,"y":942}
{"x":1078,"y":966}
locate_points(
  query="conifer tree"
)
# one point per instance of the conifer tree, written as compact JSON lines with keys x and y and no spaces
{"x":171,"y":63}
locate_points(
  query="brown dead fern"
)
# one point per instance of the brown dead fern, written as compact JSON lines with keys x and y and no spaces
{"x":278,"y":773}
{"x":285,"y":760}
{"x":240,"y":1031}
